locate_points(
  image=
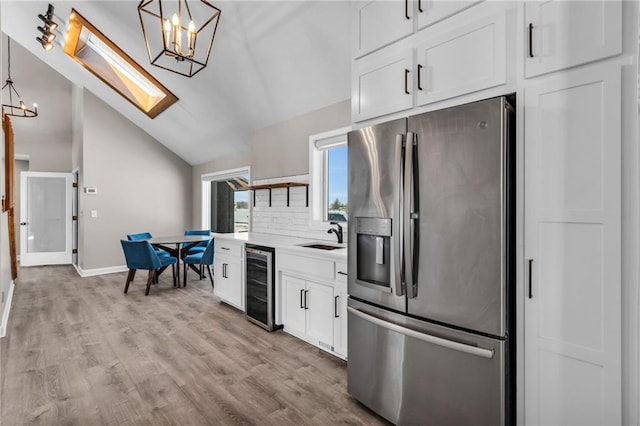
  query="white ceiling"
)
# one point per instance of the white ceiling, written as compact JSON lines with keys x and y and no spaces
{"x":271,"y":61}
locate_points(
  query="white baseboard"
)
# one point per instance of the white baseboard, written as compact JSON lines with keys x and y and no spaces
{"x":7,"y":308}
{"x":100,"y":271}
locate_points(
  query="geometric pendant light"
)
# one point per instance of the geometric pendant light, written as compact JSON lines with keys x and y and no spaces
{"x":179,"y":33}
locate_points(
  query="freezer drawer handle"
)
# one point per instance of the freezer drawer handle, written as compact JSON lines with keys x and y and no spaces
{"x":461,"y":347}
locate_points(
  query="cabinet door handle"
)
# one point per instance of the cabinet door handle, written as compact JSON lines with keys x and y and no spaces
{"x":335,"y":307}
{"x":406,"y":81}
{"x":419,"y":72}
{"x":406,"y":9}
{"x":306,"y":295}
{"x":224,"y":270}
{"x":530,"y":273}
{"x":301,"y":296}
{"x":530,"y":40}
{"x":420,"y":6}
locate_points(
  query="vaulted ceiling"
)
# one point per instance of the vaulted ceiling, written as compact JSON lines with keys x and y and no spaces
{"x":271,"y":61}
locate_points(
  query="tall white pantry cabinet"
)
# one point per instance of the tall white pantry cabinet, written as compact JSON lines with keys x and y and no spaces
{"x":572,"y":69}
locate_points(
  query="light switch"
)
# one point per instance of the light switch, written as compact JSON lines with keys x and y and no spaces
{"x":94,"y":213}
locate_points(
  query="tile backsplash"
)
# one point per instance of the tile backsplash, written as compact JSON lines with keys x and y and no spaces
{"x":292,"y":221}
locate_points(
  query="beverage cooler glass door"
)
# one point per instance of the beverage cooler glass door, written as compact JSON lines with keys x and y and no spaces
{"x":259,"y":288}
{"x":375,"y":184}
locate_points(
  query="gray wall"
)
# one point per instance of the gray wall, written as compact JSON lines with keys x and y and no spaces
{"x":282,"y":149}
{"x":142,"y":186}
{"x":278,"y":150}
{"x":47,"y":137}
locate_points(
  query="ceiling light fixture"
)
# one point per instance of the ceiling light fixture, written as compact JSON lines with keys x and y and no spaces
{"x":46,"y":40}
{"x":179,"y":33}
{"x":19,"y":110}
{"x":47,"y":18}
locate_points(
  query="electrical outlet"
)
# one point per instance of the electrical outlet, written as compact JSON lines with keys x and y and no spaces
{"x":94,"y":213}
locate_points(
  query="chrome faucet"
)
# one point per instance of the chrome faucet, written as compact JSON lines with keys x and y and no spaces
{"x":338,"y":231}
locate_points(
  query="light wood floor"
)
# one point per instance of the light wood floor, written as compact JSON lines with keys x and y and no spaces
{"x":78,"y":351}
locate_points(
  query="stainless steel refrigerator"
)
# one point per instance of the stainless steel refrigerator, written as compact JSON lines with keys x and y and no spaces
{"x":431,"y":266}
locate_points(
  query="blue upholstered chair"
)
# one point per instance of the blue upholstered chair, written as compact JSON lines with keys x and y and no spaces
{"x":200,"y":247}
{"x":146,"y":236}
{"x":204,"y":258}
{"x":141,"y":255}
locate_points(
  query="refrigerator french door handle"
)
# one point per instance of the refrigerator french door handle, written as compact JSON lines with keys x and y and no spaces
{"x":408,"y":216}
{"x":398,"y":227}
{"x":449,"y":344}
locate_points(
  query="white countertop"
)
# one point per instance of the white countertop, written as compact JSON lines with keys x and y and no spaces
{"x":290,"y":244}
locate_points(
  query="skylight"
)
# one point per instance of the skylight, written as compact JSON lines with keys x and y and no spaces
{"x":100,"y":56}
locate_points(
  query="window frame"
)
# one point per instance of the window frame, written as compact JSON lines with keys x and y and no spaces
{"x":319,"y":144}
{"x":205,"y":188}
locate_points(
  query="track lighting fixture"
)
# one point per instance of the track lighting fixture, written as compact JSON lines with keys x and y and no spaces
{"x":46,"y":44}
{"x":46,"y":34}
{"x":46,"y":40}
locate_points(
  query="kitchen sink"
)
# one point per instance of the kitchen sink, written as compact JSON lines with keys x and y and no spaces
{"x":320,"y":246}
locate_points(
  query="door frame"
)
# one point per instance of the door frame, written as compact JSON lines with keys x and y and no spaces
{"x":52,"y":258}
{"x":205,"y":182}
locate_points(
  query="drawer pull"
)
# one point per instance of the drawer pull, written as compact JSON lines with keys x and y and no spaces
{"x":342,"y":273}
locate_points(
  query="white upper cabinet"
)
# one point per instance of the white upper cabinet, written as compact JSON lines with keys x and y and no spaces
{"x":428,"y":12}
{"x":563,"y":34}
{"x":379,"y":23}
{"x":467,"y":55}
{"x":382,"y":83}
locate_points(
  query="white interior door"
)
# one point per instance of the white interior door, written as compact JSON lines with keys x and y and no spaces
{"x":45,"y":218}
{"x":573,"y":237}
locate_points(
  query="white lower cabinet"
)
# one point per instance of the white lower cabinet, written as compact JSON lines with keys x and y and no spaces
{"x":340,"y":310}
{"x":319,"y":307}
{"x":312,"y":310}
{"x":573,"y":299}
{"x":228,"y":266}
{"x":294,"y":315}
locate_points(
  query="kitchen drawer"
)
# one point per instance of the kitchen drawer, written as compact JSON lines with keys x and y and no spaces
{"x":228,"y":248}
{"x":306,"y":266}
